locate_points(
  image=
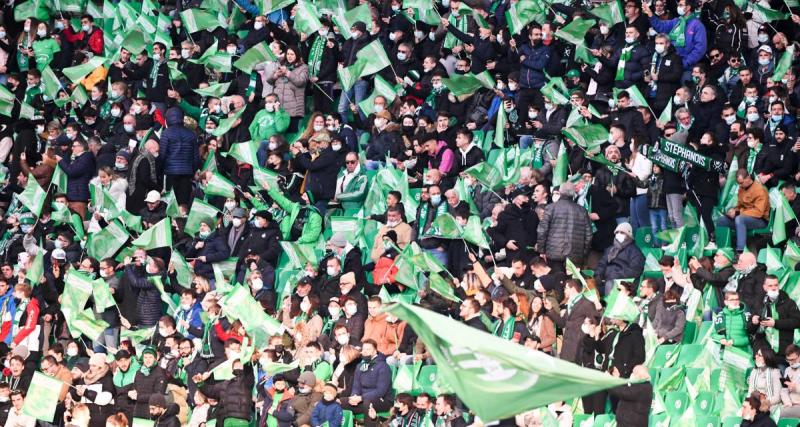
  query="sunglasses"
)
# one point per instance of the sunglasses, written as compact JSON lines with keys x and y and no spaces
{"x":351,"y":162}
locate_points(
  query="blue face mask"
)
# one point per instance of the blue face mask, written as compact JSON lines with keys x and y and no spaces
{"x":777,"y":117}
{"x":436,"y":199}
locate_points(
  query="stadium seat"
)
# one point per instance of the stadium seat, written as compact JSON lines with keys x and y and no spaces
{"x":689,"y":333}
{"x":663,"y":354}
{"x":707,"y":421}
{"x":765,"y":230}
{"x":732,"y":422}
{"x":583,"y":420}
{"x":347,"y":418}
{"x":722,"y":237}
{"x":689,"y":352}
{"x":660,"y":420}
{"x":676,"y":402}
{"x":789,"y":422}
{"x":427,"y":379}
{"x":605,"y":420}
{"x":704,"y":403}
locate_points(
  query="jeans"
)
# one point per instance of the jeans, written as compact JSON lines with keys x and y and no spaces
{"x":108,"y":339}
{"x":525,"y":141}
{"x":675,"y":209}
{"x":640,"y":215}
{"x":356,"y":94}
{"x":658,"y":222}
{"x":740,"y":225}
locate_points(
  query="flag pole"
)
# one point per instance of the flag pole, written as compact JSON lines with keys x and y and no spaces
{"x":323,"y":92}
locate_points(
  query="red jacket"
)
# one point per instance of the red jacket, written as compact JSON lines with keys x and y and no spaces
{"x":95,"y":42}
{"x":31,"y":320}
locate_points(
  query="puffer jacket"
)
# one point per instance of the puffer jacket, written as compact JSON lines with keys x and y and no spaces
{"x":146,"y":386}
{"x":732,"y":325}
{"x":533,"y":66}
{"x":628,"y":264}
{"x":373,"y":380}
{"x":233,"y":396}
{"x":290,"y":90}
{"x":178,"y":145}
{"x":148,"y":302}
{"x":79,"y":172}
{"x":565,"y":231}
{"x":669,"y":322}
{"x":322,"y":171}
{"x":384,"y":143}
{"x":283,"y":411}
{"x":327,"y":412}
{"x":215,"y":249}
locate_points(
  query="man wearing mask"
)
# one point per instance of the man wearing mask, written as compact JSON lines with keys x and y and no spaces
{"x":263,"y":238}
{"x":351,"y":185}
{"x":273,"y":119}
{"x":394,"y":222}
{"x":372,"y":385}
{"x":630,"y":62}
{"x":534,"y":57}
{"x":776,"y":319}
{"x":157,"y":80}
{"x":303,"y":402}
{"x":751,"y":210}
{"x":578,"y":309}
{"x":731,"y":324}
{"x":237,"y":233}
{"x":747,"y":281}
{"x":360,"y":38}
{"x":666,"y":70}
{"x":517,"y":225}
{"x":691,"y":44}
{"x":776,"y":162}
{"x":348,"y":255}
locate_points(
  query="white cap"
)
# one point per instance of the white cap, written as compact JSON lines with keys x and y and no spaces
{"x":153,"y":196}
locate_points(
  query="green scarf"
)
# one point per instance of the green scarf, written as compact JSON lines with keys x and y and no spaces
{"x":623,"y":59}
{"x":145,"y":370}
{"x":772,"y":334}
{"x":571,"y":303}
{"x":460,"y":22}
{"x":507,"y":329}
{"x":751,"y":158}
{"x":154,"y":73}
{"x":678,"y":33}
{"x":276,"y":400}
{"x":315,"y":56}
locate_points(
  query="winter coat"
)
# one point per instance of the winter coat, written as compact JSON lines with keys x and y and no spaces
{"x":169,"y":418}
{"x":302,"y":406}
{"x":327,"y":412}
{"x":787,"y":318}
{"x":695,"y":46}
{"x":669,"y":322}
{"x":384,"y":143}
{"x":531,"y":73}
{"x":564,"y":232}
{"x":146,"y":386}
{"x":717,"y":279}
{"x":178,"y":146}
{"x":751,"y":290}
{"x":669,"y":68}
{"x":264,"y":242}
{"x":215,"y":249}
{"x":633,"y":404}
{"x":321,"y":173}
{"x":79,"y":172}
{"x":148,"y":302}
{"x":628,"y":264}
{"x":518,"y":224}
{"x":373,"y":380}
{"x":266,"y":123}
{"x":732,"y":325}
{"x":354,"y":192}
{"x":634,"y":67}
{"x":571,"y":323}
{"x":290,"y":90}
{"x":762,"y":419}
{"x":233,"y":396}
{"x":312,"y":227}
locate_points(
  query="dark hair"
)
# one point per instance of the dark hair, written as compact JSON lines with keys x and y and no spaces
{"x":770,"y":359}
{"x":666,"y":261}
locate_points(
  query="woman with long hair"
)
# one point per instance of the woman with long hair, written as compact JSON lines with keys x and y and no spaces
{"x":290,"y":80}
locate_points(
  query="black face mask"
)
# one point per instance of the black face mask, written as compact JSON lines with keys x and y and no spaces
{"x":279,"y":349}
{"x":238,"y":372}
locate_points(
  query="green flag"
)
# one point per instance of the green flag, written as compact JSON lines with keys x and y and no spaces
{"x":382,"y":88}
{"x":78,"y":72}
{"x":375,"y":56}
{"x":522,"y":13}
{"x":215,"y":90}
{"x":219,"y":185}
{"x":561,"y":169}
{"x":253,"y":56}
{"x":198,"y":20}
{"x":101,"y":292}
{"x":611,"y":13}
{"x":500,"y":128}
{"x":275,"y":368}
{"x":345,"y":19}
{"x":622,"y":307}
{"x":486,"y":174}
{"x":473,"y":233}
{"x":77,"y":290}
{"x":240,"y":305}
{"x":468,"y":83}
{"x":268,"y":6}
{"x":784,"y":64}
{"x":305,"y":18}
{"x":791,"y":255}
{"x":59,"y":179}
{"x":102,"y":200}
{"x":245,"y":152}
{"x":201,"y":211}
{"x":84,"y":323}
{"x":666,"y":114}
{"x":768,"y":14}
{"x":349,"y":75}
{"x":223,"y":371}
{"x":36,"y":270}
{"x":511,"y":377}
{"x":33,"y":196}
{"x":31,"y":9}
{"x":442,"y":287}
{"x":157,"y":236}
{"x":173,"y":209}
{"x":41,"y":398}
{"x":51,"y":83}
{"x":183,"y":270}
{"x":227,"y":123}
{"x":575,"y":31}
{"x":106,"y":242}
{"x":174,"y":73}
{"x":783,"y":214}
{"x":589,"y":137}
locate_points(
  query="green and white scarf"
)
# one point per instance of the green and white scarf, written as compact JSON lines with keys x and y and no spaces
{"x":678,"y":32}
{"x":623,"y":59}
{"x":460,"y":22}
{"x":751,"y":158}
{"x":505,"y":329}
{"x":315,"y":56}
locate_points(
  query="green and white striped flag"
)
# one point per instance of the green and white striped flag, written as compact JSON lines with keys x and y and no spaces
{"x":784,"y":64}
{"x":215,"y":90}
{"x":575,"y":31}
{"x":375,"y":56}
{"x":268,"y":6}
{"x":36,"y":270}
{"x":78,"y":72}
{"x":106,"y":242}
{"x":611,"y":13}
{"x":768,"y":15}
{"x":305,"y":18}
{"x":77,"y":290}
{"x":245,"y":152}
{"x":219,"y":185}
{"x":33,"y":196}
{"x":157,"y":236}
{"x":101,"y":292}
{"x":183,"y":270}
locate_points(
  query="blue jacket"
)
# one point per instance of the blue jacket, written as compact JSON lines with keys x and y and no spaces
{"x":373,"y":380}
{"x":628,"y":264}
{"x":178,"y":145}
{"x":215,"y":249}
{"x":695,"y":47}
{"x":531,"y":75}
{"x":79,"y":172}
{"x":327,"y":412}
{"x":249,"y":7}
{"x":191,"y":316}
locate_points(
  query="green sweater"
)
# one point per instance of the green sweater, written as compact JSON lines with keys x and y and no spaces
{"x":313,"y":226}
{"x":733,"y":325}
{"x":265,"y":124}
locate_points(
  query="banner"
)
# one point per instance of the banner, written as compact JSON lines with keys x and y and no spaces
{"x":682,"y":153}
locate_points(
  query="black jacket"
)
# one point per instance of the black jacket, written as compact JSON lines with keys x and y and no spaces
{"x":669,"y":68}
{"x":146,"y":386}
{"x":264,"y":242}
{"x":233,"y":395}
{"x":786,"y":320}
{"x":633,"y":404}
{"x":322,"y":171}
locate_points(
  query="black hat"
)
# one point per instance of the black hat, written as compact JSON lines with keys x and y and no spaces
{"x":157,"y":400}
{"x":522,"y":191}
{"x":122,"y":354}
{"x":264,"y":214}
{"x":360,"y":26}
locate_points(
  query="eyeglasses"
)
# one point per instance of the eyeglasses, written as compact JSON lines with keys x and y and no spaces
{"x":734,"y":60}
{"x":719,"y":55}
{"x":351,"y":162}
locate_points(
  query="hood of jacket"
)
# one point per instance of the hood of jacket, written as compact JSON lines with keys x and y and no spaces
{"x":174,"y":117}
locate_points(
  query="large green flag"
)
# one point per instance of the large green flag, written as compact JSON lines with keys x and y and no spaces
{"x":521,"y":13}
{"x":575,"y":31}
{"x":31,"y":9}
{"x":245,"y":152}
{"x":268,"y":6}
{"x":439,"y":285}
{"x":101,"y":292}
{"x":306,"y":19}
{"x":36,"y":270}
{"x":500,"y":132}
{"x":240,"y":305}
{"x":784,"y":64}
{"x":473,"y":233}
{"x":102,"y":200}
{"x":511,"y":378}
{"x":486,"y":174}
{"x":219,"y":185}
{"x":201,"y":211}
{"x":157,"y":236}
{"x":349,"y":75}
{"x":59,"y":179}
{"x":215,"y":90}
{"x":227,"y":123}
{"x":783,"y":214}
{"x":375,"y":56}
{"x":768,"y":14}
{"x":561,"y":169}
{"x":106,"y":242}
{"x":78,"y":72}
{"x":78,"y":288}
{"x":382,"y":88}
{"x":589,"y":137}
{"x":198,"y":20}
{"x":51,"y":83}
{"x":183,"y":270}
{"x":84,"y":323}
{"x":468,"y":83}
{"x":253,"y":56}
{"x":345,"y":19}
{"x":33,"y":196}
{"x":611,"y":13}
{"x":41,"y":398}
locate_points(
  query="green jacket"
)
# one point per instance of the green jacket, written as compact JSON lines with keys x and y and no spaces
{"x":121,"y":379}
{"x":354,"y":193}
{"x":265,"y":124}
{"x":732,"y":325}
{"x":313,"y":226}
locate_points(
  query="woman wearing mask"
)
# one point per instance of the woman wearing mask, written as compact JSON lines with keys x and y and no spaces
{"x":670,"y":318}
{"x":26,"y":327}
{"x":352,"y":320}
{"x":345,"y":371}
{"x":207,"y":247}
{"x":289,"y":80}
{"x":315,"y":127}
{"x":44,"y":47}
{"x":766,"y":377}
{"x":754,"y":118}
{"x":151,"y":379}
{"x":72,"y":355}
{"x":116,"y":185}
{"x":321,"y":165}
{"x":25,"y":44}
{"x":705,"y":183}
{"x":302,"y":321}
{"x":322,"y":69}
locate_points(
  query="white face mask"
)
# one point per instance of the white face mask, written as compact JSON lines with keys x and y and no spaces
{"x":336,"y":147}
{"x":549,"y":106}
{"x":660,"y":48}
{"x":380,"y":123}
{"x":401,"y":56}
{"x":163,"y":332}
{"x":185,"y":53}
{"x":532,"y":114}
{"x":258,"y":25}
{"x":186,"y":307}
{"x":763,"y":38}
{"x":620,"y":237}
{"x":773,"y":295}
{"x":116,"y":112}
{"x":119,"y":165}
{"x":585,"y":329}
{"x":603,"y":30}
{"x":237,"y":222}
{"x":752,"y":117}
{"x":230,"y":205}
{"x":730,"y":119}
{"x":343,"y":339}
{"x":763,"y":61}
{"x":272,"y":145}
{"x":334,"y":312}
{"x":318,"y":128}
{"x":378,"y":108}
{"x":436,"y":85}
{"x":41,"y":33}
{"x":512,"y":86}
{"x":630,"y":40}
{"x":256,"y":284}
{"x":231,"y":50}
{"x":760,"y":363}
{"x":156,"y":57}
{"x":419,"y":34}
{"x":681,"y":10}
{"x":72,"y":352}
{"x":350,"y":309}
{"x":392,"y":224}
{"x":392,"y":37}
{"x":677,"y":99}
{"x":331,"y":271}
{"x":270,"y":107}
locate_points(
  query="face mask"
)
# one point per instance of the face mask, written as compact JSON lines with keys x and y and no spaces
{"x":762,"y":38}
{"x":2,"y":34}
{"x":651,"y":32}
{"x":620,"y":237}
{"x":336,"y":147}
{"x":331,"y":271}
{"x":776,"y":117}
{"x":681,"y":10}
{"x":752,"y":143}
{"x":378,"y":108}
{"x":114,"y":93}
{"x":257,"y":284}
{"x":237,"y":222}
{"x":773,"y":295}
{"x":436,"y":85}
{"x":85,"y":28}
{"x":549,"y":106}
{"x":356,"y":34}
{"x":40,"y":129}
{"x":318,"y":128}
{"x":41,"y":33}
{"x":351,"y":309}
{"x":763,"y":61}
{"x":532,"y":114}
{"x":629,"y":40}
{"x":392,"y":224}
{"x":418,"y":35}
{"x":772,"y":99}
{"x":204,"y":234}
{"x":677,"y":99}
{"x":26,"y":228}
{"x":128,"y":128}
{"x":760,"y":363}
{"x":163,"y":332}
{"x":436,"y":199}
{"x":185,"y":54}
{"x":401,"y":56}
{"x":72,"y":352}
{"x":90,"y":121}
{"x":156,"y":57}
{"x":258,"y":25}
{"x":794,"y":365}
{"x":585,"y":328}
{"x":233,"y":355}
{"x":696,"y":79}
{"x":751,"y":99}
{"x":660,"y":49}
{"x":230,"y":205}
{"x":269,"y":107}
{"x":392,"y":37}
{"x":380,"y":123}
{"x":116,"y":113}
{"x":231,"y":50}
{"x":58,"y":244}
{"x":512,"y":87}
{"x":343,"y":339}
{"x":603,"y":30}
{"x":752,"y":117}
{"x":730,"y":119}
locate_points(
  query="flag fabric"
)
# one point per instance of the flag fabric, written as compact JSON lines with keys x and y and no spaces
{"x":381,"y":88}
{"x":219,"y":185}
{"x":158,"y":235}
{"x":784,"y":64}
{"x":575,"y":31}
{"x":345,"y":19}
{"x":783,"y":214}
{"x":51,"y":83}
{"x":240,"y":305}
{"x":767,"y":14}
{"x":101,"y":292}
{"x":106,"y":242}
{"x":486,"y":174}
{"x":275,"y":368}
{"x":77,"y":290}
{"x":561,"y":169}
{"x":375,"y":57}
{"x":198,"y":20}
{"x":511,"y":377}
{"x":268,"y":6}
{"x":254,"y":56}
{"x":183,"y":270}
{"x":41,"y":398}
{"x":223,"y":371}
{"x":84,"y":323}
{"x":59,"y":179}
{"x":500,"y":132}
{"x":473,"y":233}
{"x":666,"y":114}
{"x":245,"y":152}
{"x":611,"y":13}
{"x":521,"y":14}
{"x":589,"y":137}
{"x":442,"y":287}
{"x":173,"y":209}
{"x":349,"y":75}
{"x":201,"y":211}
{"x":33,"y":196}
{"x":78,"y":72}
{"x":36,"y":270}
{"x":469,"y":83}
{"x":226,"y":124}
{"x":622,"y":307}
{"x":215,"y":90}
{"x":102,"y":200}
{"x":305,"y":18}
